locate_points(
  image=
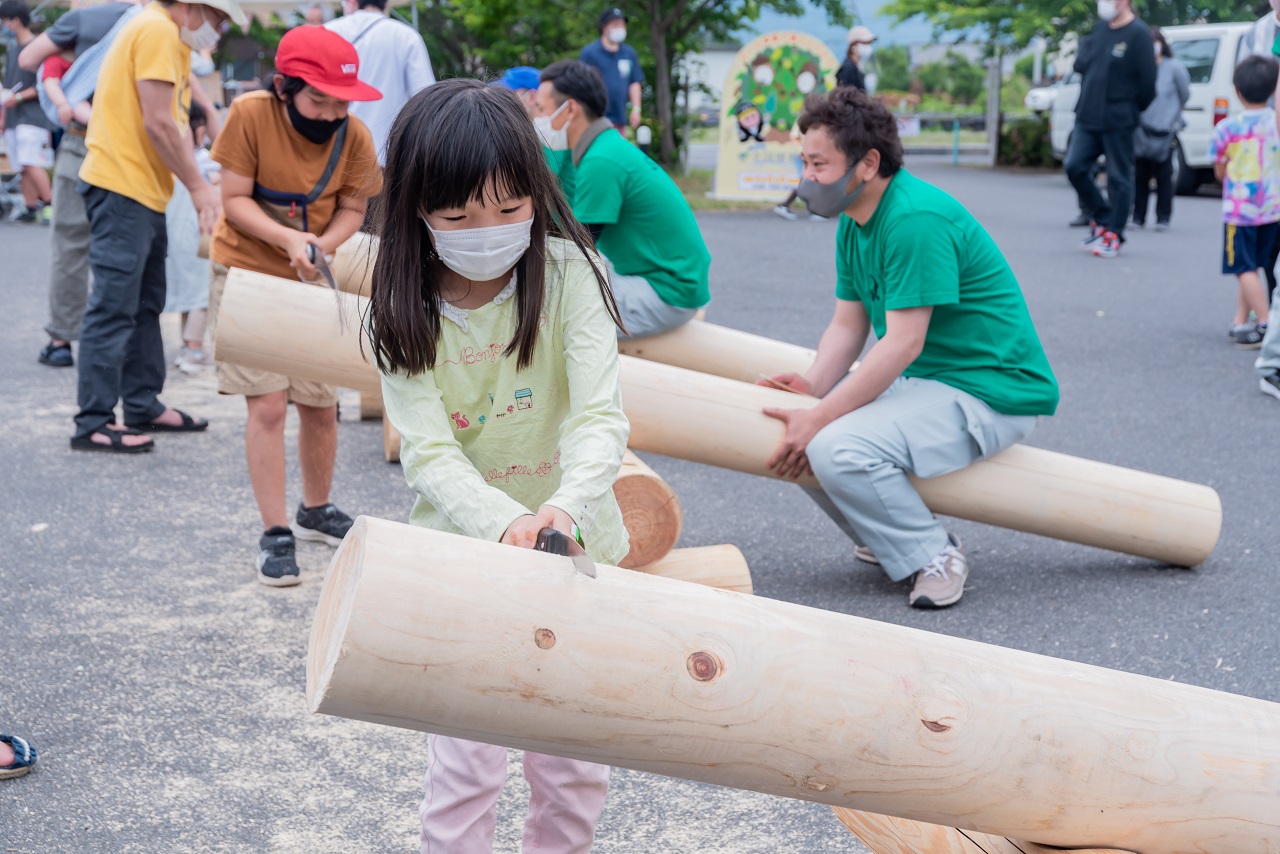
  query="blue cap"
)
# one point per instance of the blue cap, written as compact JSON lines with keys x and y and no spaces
{"x":520,"y":77}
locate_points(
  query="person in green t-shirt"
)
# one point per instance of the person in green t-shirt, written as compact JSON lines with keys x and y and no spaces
{"x":642,"y":225}
{"x":957,"y":373}
{"x":524,"y":80}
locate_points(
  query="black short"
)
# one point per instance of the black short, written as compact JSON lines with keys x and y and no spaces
{"x":1247,"y":248}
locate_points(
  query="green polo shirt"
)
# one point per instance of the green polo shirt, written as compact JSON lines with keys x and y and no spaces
{"x":649,"y":230}
{"x":561,"y":165}
{"x":921,"y":247}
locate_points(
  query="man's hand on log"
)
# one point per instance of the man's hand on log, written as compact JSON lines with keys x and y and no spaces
{"x":789,"y":458}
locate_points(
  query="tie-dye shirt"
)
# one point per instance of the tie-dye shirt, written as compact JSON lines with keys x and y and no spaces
{"x":1250,"y":145}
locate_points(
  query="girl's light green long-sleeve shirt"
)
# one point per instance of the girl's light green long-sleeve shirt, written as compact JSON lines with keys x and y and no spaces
{"x":483,"y":443}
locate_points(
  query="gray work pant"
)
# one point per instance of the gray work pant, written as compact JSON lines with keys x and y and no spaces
{"x":863,"y":459}
{"x":642,"y":311}
{"x":69,"y":262}
{"x":121,"y":350}
{"x":1269,"y":358}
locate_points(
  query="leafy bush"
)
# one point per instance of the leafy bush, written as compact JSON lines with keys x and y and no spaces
{"x":1025,"y":142}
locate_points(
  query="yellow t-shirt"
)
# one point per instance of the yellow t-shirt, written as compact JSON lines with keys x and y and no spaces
{"x":121,"y":158}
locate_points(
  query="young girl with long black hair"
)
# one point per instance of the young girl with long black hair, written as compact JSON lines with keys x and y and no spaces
{"x":494,"y":329}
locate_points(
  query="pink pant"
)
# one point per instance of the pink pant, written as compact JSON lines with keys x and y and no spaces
{"x":464,"y":779}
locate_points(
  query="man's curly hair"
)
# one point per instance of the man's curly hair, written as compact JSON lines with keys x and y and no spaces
{"x":856,"y":123}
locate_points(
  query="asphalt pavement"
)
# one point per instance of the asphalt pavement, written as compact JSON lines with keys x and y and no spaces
{"x":164,"y":686}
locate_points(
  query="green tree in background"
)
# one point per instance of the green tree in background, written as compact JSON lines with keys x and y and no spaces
{"x":893,"y":67}
{"x":965,"y":80}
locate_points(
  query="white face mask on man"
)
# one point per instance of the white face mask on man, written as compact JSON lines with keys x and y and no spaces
{"x":556,"y":139}
{"x":482,"y":254}
{"x":203,"y":37}
{"x":617,"y":35}
{"x":1107,"y":10}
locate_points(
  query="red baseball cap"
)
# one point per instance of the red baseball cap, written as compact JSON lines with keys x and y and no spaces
{"x":326,"y":61}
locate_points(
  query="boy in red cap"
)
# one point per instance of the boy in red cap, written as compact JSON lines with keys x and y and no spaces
{"x":297,"y":171}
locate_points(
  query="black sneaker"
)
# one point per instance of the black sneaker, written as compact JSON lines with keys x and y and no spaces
{"x":1270,"y":384}
{"x":326,"y":524}
{"x":1081,"y":221}
{"x":56,"y":356}
{"x":276,"y":564}
{"x":1248,"y":336}
{"x":29,"y":215}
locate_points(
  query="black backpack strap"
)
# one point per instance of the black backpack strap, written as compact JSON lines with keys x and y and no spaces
{"x":339,"y":140}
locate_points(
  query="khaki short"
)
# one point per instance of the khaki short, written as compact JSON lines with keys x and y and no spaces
{"x":251,"y":382}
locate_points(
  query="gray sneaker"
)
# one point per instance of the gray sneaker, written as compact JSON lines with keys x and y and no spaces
{"x":864,"y":554}
{"x":326,"y":524}
{"x":277,"y":565}
{"x":941,"y":583}
{"x":1270,"y":384}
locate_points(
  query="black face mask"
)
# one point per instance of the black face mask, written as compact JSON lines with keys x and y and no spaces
{"x":314,"y":130}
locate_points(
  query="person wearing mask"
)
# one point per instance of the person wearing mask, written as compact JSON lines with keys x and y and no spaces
{"x":1154,"y":138}
{"x":956,"y":374}
{"x":524,"y":81}
{"x":298,"y":172}
{"x":137,"y":144}
{"x":27,"y":132}
{"x":1264,"y":40}
{"x":644,"y":228}
{"x":619,"y":67}
{"x":858,"y":52}
{"x":1117,"y":64}
{"x":393,"y":60}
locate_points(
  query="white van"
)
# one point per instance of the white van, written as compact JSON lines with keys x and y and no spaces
{"x":1210,"y":52}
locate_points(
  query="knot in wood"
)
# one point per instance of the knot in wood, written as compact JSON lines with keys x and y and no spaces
{"x":934,"y":726}
{"x":544,"y":638}
{"x":704,"y":666}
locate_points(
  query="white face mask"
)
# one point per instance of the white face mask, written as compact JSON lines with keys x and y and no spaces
{"x":203,"y":37}
{"x":618,"y":35}
{"x":556,"y":140}
{"x":482,"y":254}
{"x":1107,"y":10}
{"x":864,"y":51}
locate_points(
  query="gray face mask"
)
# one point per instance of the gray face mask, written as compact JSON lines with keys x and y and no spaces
{"x":829,"y":199}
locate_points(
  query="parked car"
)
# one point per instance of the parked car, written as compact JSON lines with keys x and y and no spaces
{"x":1041,"y":98}
{"x":1210,"y":52}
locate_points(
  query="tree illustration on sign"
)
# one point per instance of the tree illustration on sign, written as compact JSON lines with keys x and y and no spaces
{"x":776,"y":82}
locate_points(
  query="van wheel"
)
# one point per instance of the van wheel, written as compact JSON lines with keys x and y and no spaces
{"x":1185,"y":179}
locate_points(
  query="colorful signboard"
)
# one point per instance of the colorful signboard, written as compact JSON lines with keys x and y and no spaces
{"x":763,"y":95}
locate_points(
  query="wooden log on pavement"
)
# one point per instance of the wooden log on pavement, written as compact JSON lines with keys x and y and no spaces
{"x":445,"y":634}
{"x":371,"y":405}
{"x":651,"y":512}
{"x":715,"y":421}
{"x":390,"y":441}
{"x":712,"y":566}
{"x":720,"y":351}
{"x":884,"y":834}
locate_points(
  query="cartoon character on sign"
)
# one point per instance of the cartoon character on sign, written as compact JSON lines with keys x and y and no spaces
{"x":750,"y":122}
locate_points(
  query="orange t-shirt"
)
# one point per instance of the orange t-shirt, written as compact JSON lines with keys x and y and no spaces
{"x":258,"y":142}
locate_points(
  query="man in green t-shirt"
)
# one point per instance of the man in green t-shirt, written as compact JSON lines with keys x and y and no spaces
{"x":957,"y":373}
{"x":641,"y":223}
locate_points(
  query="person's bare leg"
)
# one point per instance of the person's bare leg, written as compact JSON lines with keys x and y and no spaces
{"x":264,"y":452}
{"x":317,"y":450}
{"x":1254,"y":296}
{"x":1242,"y":307}
{"x":35,"y":186}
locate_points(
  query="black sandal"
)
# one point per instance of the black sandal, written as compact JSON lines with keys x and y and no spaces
{"x":117,"y":446}
{"x":188,"y":425}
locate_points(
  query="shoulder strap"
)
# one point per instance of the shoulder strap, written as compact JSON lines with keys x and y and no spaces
{"x":339,"y":140}
{"x":363,"y":32}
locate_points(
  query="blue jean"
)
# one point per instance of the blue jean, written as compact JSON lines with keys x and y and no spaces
{"x":1086,"y":146}
{"x":121,"y":349}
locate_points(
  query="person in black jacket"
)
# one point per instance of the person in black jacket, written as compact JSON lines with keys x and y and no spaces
{"x":858,"y":51}
{"x":1118,"y":65}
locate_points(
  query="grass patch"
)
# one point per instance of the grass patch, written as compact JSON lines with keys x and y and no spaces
{"x":698,"y":183}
